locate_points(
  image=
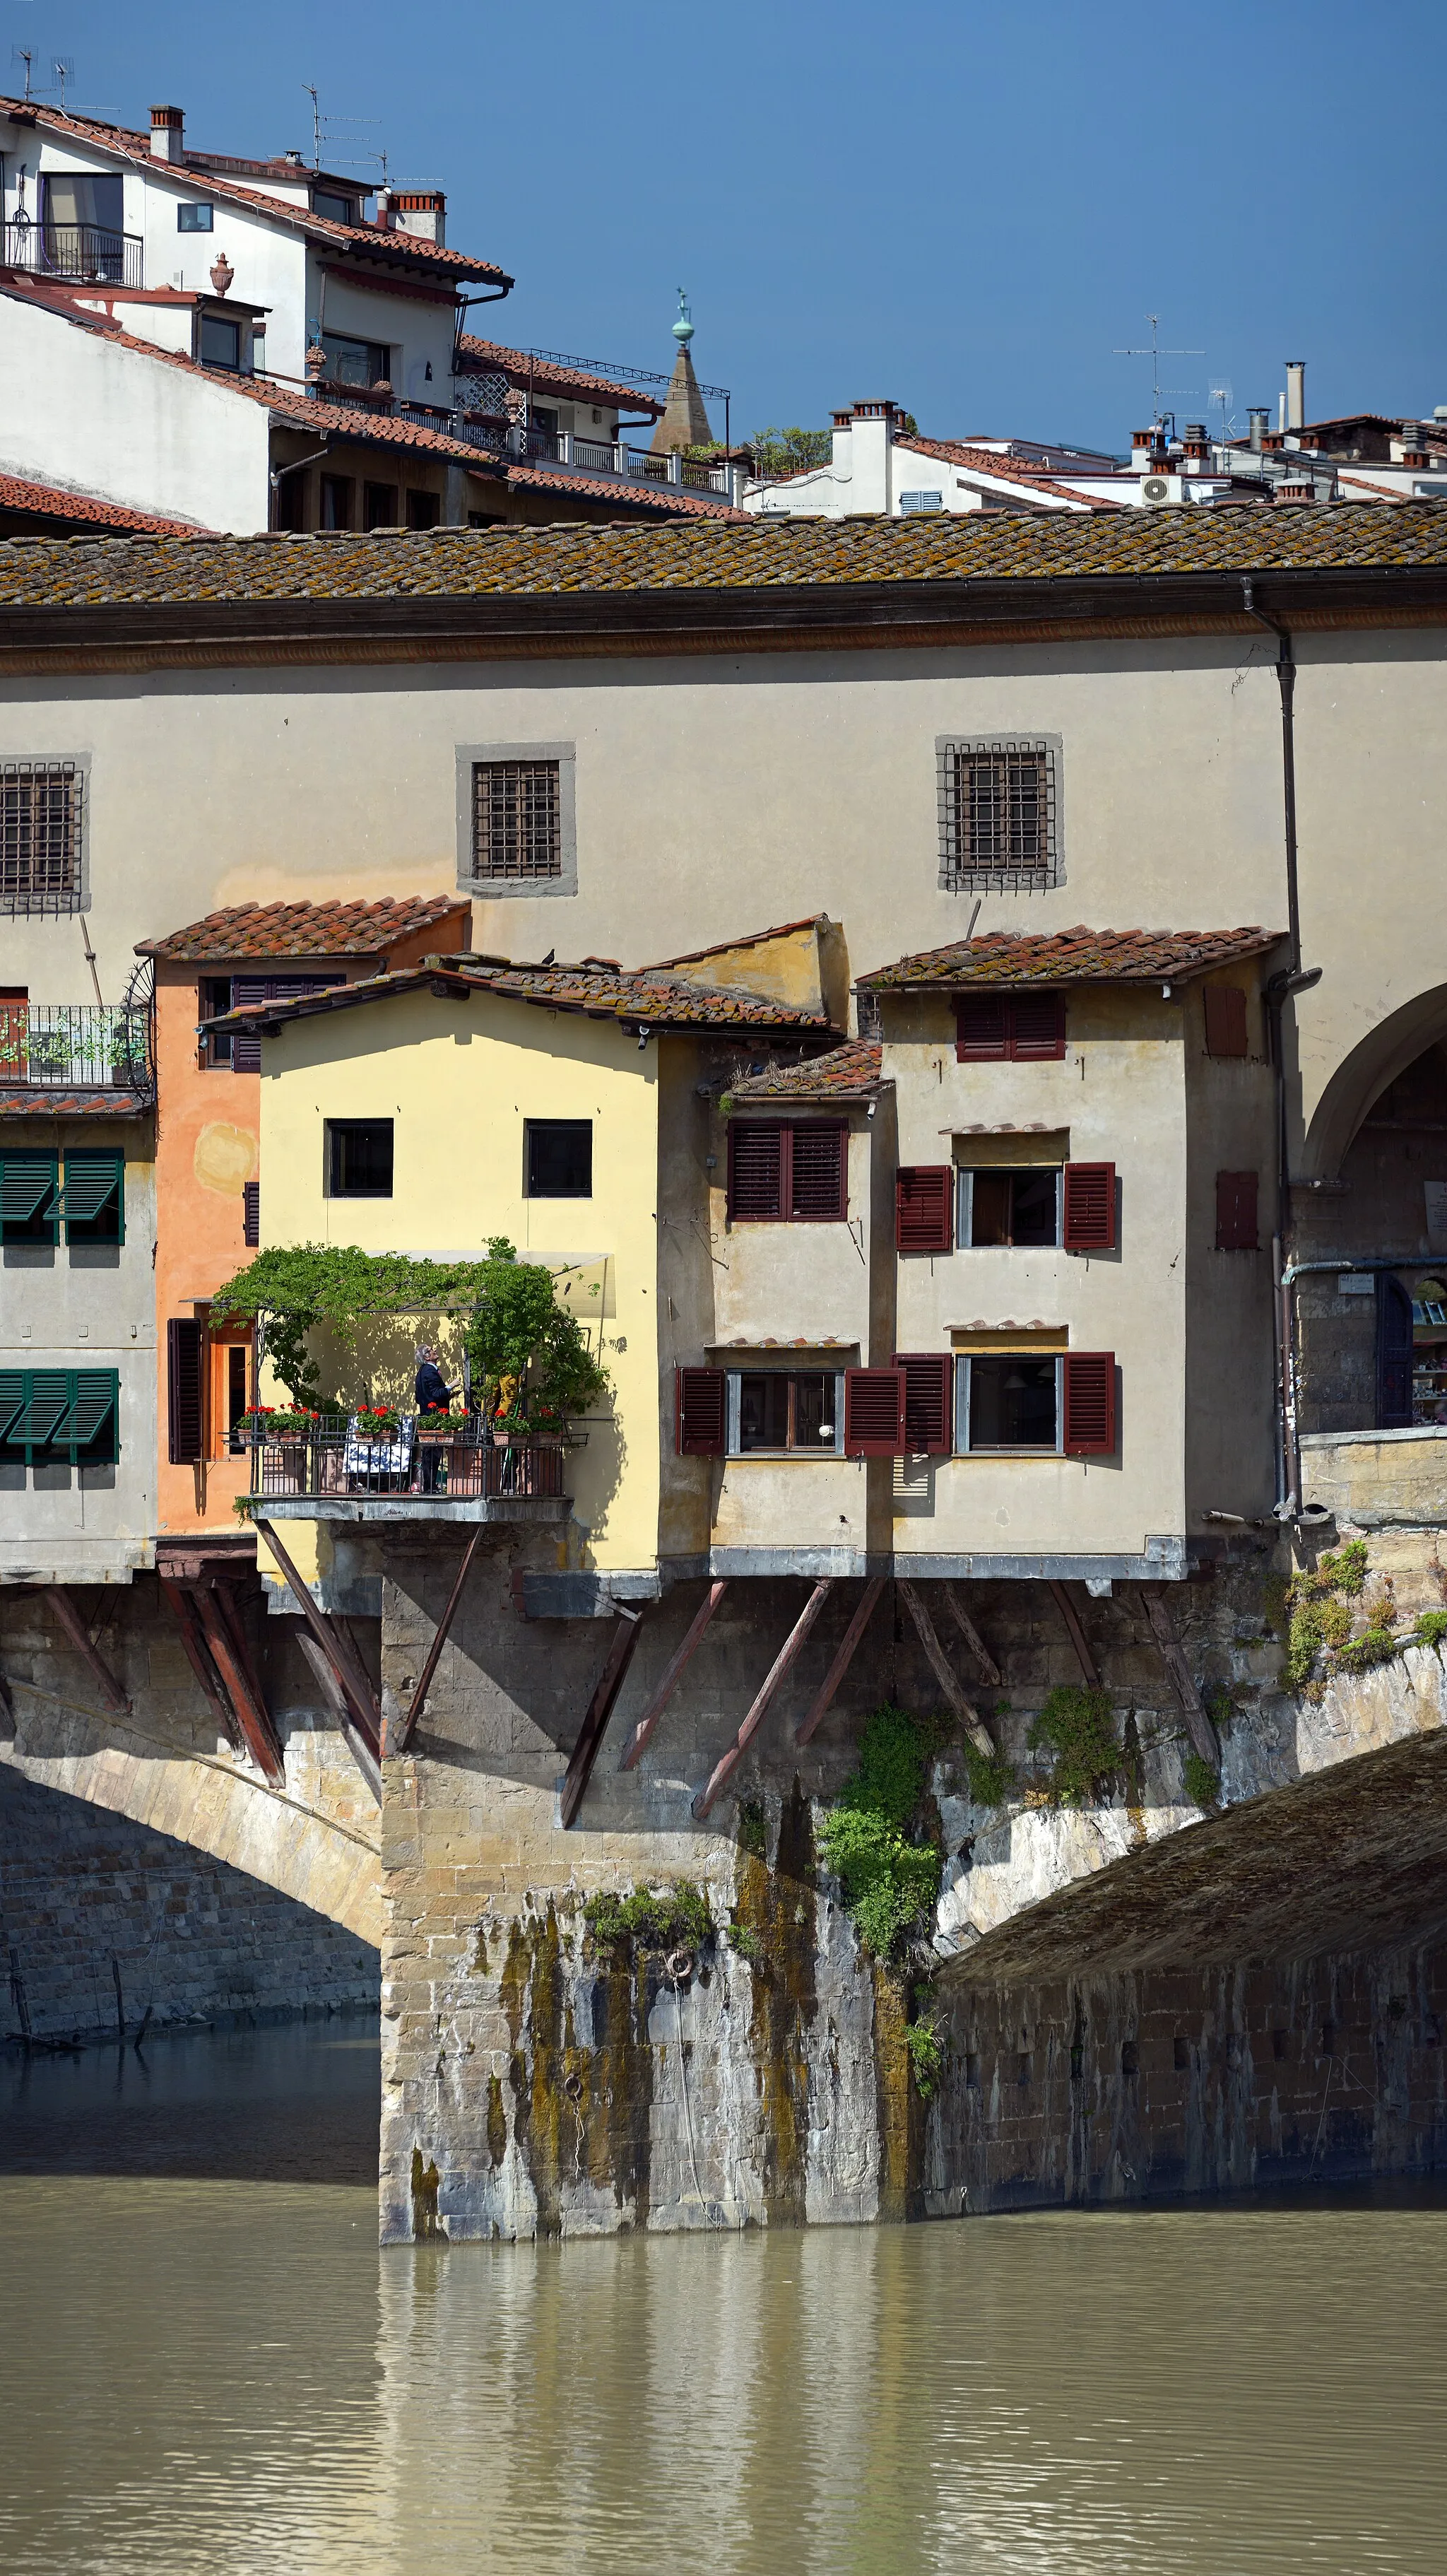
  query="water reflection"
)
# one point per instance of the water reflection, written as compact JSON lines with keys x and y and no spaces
{"x":217,"y":2377}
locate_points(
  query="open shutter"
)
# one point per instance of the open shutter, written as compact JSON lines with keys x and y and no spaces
{"x":699,"y":1412}
{"x":874,"y":1413}
{"x":928,"y":1429}
{"x":92,"y":1198}
{"x":1089,"y":1207}
{"x":246,"y":1050}
{"x":185,"y":1413}
{"x":1089,"y":1404}
{"x":756,"y":1155}
{"x":924,"y":1207}
{"x":49,"y":1395}
{"x":27,"y":1186}
{"x":982,"y":1028}
{"x":1038,"y":1034}
{"x":818,"y":1166}
{"x":92,"y":1426}
{"x":251,"y":1214}
{"x":1225,"y":1019}
{"x":12,"y":1401}
{"x":1236,"y":1228}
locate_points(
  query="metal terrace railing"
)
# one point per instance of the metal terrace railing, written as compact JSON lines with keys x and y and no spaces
{"x":85,"y":254}
{"x":499,"y":436}
{"x":77,"y":1046}
{"x":338,"y":1454}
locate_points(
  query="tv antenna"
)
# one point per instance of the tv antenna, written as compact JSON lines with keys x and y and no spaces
{"x":1222,"y":394}
{"x":23,"y":54}
{"x":1155,"y":353}
{"x":325,"y":132}
{"x":63,"y":66}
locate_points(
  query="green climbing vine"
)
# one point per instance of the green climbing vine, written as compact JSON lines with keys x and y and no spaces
{"x":870,"y":1837}
{"x":653,"y":1918}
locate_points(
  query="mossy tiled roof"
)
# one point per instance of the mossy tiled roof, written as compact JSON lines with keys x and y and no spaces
{"x":712,"y":553}
{"x":599,"y":991}
{"x":306,"y":929}
{"x":1077,"y":956}
{"x":849,"y":1072}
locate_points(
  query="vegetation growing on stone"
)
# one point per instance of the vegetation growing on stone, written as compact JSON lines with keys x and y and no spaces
{"x":991,"y":1777}
{"x":1431,"y":1628}
{"x":890,"y":1877}
{"x":743,"y":1938}
{"x":653,"y":1918}
{"x":1203,"y":1787}
{"x":1322,"y":1618}
{"x":1346,"y":1572}
{"x":926,"y":2045}
{"x":752,"y":1832}
{"x":1077,"y":1727}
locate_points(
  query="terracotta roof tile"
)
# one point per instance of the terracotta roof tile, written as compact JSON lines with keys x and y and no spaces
{"x":641,"y":999}
{"x":307,"y":929}
{"x":747,"y":939}
{"x":19,"y":1100}
{"x":851,"y":1072}
{"x":48,"y":501}
{"x":982,"y":460}
{"x":712,"y":552}
{"x":1077,"y":956}
{"x":547,"y":376}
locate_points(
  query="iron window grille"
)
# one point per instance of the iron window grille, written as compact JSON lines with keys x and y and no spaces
{"x":999,"y":811}
{"x":516,"y":819}
{"x":41,"y":815}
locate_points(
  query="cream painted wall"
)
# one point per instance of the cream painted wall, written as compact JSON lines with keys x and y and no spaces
{"x":458,"y":1080}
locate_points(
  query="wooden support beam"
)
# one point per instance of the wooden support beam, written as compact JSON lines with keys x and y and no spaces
{"x":69,"y":1618}
{"x":828,"y":1690}
{"x":1198,"y":1725}
{"x":783,"y":1663}
{"x":944,"y":1672}
{"x":177,"y":1595}
{"x":600,"y":1709}
{"x":233,"y":1665}
{"x":1071,"y":1617}
{"x":331,"y":1691}
{"x":673,"y":1674}
{"x":398,"y":1741}
{"x":972,"y":1636}
{"x":352,"y":1678}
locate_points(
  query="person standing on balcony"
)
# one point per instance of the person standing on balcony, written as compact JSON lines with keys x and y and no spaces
{"x":434,"y":1395}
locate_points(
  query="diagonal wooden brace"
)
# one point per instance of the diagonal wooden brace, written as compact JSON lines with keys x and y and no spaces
{"x":1078,"y":1639}
{"x":972,"y":1636}
{"x":234,"y":1667}
{"x":331,"y":1691}
{"x":600,"y":1709}
{"x":1198,"y":1725}
{"x":779,"y":1670}
{"x":397,"y":1739}
{"x":673,"y":1674}
{"x":342,"y":1657}
{"x":829,"y":1688}
{"x":68,"y":1617}
{"x":177,"y":1596}
{"x":944,"y":1672}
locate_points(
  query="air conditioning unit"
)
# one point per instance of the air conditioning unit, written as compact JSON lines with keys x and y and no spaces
{"x":1156,"y":488}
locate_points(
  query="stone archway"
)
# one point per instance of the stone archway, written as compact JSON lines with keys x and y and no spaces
{"x":1376,"y":1061}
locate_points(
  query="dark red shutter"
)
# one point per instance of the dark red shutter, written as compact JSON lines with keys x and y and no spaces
{"x":756,"y":1156}
{"x":982,"y":1028}
{"x":185,"y":1410}
{"x":928,"y":1381}
{"x":1089,"y":1207}
{"x":1236,"y":1212}
{"x":1089,"y":1404}
{"x":246,"y":1050}
{"x":1225,"y":1019}
{"x":699,"y":1412}
{"x":1038,"y":1033}
{"x":818,"y":1185}
{"x":924,"y":1207}
{"x":251,"y":1213}
{"x":874,"y":1413}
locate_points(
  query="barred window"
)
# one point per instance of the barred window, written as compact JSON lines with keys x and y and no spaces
{"x":999,"y":811}
{"x":40,"y":836}
{"x":516,"y":819}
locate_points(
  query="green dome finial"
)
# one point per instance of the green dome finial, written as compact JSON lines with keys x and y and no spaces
{"x":683,"y":327}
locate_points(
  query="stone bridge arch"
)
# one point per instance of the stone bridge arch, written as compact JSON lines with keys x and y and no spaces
{"x":1363,"y":1075}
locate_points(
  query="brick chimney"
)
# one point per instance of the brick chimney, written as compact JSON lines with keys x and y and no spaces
{"x":422,"y":211}
{"x":168,"y":134}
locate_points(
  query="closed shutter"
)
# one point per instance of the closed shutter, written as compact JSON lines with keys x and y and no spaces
{"x":251,"y":1214}
{"x":1236,"y":1229}
{"x":699,"y":1412}
{"x":1225,"y":1019}
{"x":924,"y":1207}
{"x":928,"y":1429}
{"x":818,"y":1168}
{"x":246,"y":1049}
{"x":756,"y":1157}
{"x":185,"y":1414}
{"x":1039,"y":1027}
{"x":1089,"y":1404}
{"x":982,"y":1028}
{"x":1089,"y":1207}
{"x":874,"y":1413}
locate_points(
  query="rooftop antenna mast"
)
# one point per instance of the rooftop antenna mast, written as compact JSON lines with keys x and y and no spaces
{"x":23,"y":54}
{"x":316,"y":125}
{"x":1155,"y":353}
{"x":63,"y":66}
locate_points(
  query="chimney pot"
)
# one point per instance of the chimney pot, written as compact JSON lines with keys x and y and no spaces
{"x":1258,"y":419}
{"x":1296,"y":393}
{"x":168,"y":134}
{"x":422,"y":211}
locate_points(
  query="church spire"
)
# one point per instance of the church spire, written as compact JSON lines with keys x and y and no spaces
{"x":685,"y":422}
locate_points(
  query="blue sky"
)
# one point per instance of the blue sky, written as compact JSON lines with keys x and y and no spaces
{"x":967,"y":208}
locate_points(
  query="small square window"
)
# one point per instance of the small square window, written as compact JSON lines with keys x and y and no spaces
{"x":424,"y":509}
{"x":516,"y":818}
{"x":336,"y":500}
{"x":379,"y":505}
{"x":1008,"y":1207}
{"x":912,"y":503}
{"x":220,"y":341}
{"x":359,"y":1158}
{"x":1009,"y":1400}
{"x":195,"y":219}
{"x":559,"y":1158}
{"x":41,"y":810}
{"x":999,"y":811}
{"x":788,"y":1409}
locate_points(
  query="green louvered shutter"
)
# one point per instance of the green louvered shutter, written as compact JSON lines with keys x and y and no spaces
{"x":27,"y":1192}
{"x":91,"y":1429}
{"x":49,"y":1394}
{"x":12,"y":1397}
{"x":92,"y":1198}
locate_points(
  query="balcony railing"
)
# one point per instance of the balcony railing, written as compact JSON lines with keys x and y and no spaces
{"x":77,"y":1046}
{"x":86,"y":254}
{"x":336,"y":1456}
{"x":500,"y":437}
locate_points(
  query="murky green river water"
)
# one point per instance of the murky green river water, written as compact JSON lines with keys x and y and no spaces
{"x":207,"y":2369}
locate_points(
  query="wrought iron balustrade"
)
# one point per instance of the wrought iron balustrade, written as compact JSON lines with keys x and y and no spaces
{"x":77,"y":1046}
{"x":337,"y":1456}
{"x":87,"y":254}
